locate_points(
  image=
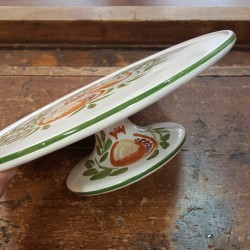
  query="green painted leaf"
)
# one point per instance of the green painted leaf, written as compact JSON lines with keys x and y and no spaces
{"x":107,"y":145}
{"x":99,"y":141}
{"x":119,"y":171}
{"x":98,"y":150}
{"x":158,"y":132}
{"x":90,"y":172}
{"x":102,"y":135}
{"x":160,"y":128}
{"x":164,"y":144}
{"x":121,"y":85}
{"x":89,"y":163}
{"x":102,"y":174}
{"x":165,"y":137}
{"x":104,"y":157}
{"x":46,"y":127}
{"x":109,"y":90}
{"x":91,"y":106}
{"x":153,"y":155}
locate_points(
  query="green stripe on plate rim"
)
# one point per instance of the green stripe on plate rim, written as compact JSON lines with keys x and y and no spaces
{"x":137,"y":177}
{"x":118,"y":108}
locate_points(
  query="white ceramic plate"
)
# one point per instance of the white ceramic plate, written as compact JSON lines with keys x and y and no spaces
{"x":110,"y":99}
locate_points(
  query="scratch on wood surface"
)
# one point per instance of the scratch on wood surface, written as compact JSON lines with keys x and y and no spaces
{"x":194,"y":223}
{"x":7,"y":230}
{"x":14,"y":204}
{"x":189,"y":210}
{"x":21,"y":99}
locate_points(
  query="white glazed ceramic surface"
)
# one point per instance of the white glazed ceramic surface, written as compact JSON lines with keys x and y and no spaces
{"x":110,"y":99}
{"x":124,"y":154}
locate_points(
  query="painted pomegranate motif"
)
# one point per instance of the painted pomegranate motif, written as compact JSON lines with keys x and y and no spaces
{"x":126,"y":152}
{"x":79,"y":101}
{"x":71,"y":106}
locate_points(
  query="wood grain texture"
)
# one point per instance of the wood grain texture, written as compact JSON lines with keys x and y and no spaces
{"x":93,"y":62}
{"x":119,"y":24}
{"x":103,"y":71}
{"x":200,"y":200}
{"x":120,"y":32}
{"x":125,"y":13}
{"x":124,"y":3}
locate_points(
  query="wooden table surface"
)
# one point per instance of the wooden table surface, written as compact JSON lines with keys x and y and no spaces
{"x":200,"y":200}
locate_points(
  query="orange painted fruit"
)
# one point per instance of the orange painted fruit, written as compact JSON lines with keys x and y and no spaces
{"x":72,"y":105}
{"x":126,"y":152}
{"x":78,"y":101}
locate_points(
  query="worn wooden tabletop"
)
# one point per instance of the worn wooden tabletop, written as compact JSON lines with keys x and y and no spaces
{"x":200,"y":200}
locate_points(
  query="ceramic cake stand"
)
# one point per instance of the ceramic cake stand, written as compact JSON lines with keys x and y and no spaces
{"x":124,"y":153}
